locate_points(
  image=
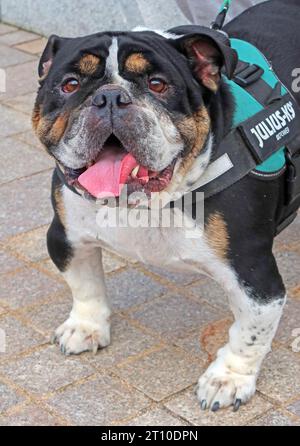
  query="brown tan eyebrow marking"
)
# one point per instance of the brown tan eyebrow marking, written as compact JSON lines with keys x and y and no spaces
{"x":137,"y":63}
{"x":88,"y":64}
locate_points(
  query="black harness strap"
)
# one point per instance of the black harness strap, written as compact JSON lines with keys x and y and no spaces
{"x":243,"y":148}
{"x":240,"y":161}
{"x":62,"y":178}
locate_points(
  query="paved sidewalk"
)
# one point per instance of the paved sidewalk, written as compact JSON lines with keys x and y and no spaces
{"x":161,"y":342}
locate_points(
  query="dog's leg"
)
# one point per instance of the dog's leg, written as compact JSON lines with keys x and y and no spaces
{"x":88,"y":326}
{"x":231,"y":378}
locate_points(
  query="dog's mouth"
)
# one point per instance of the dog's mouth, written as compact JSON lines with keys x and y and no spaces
{"x":114,"y":168}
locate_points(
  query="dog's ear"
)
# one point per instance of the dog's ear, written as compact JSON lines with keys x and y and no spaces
{"x":209,"y":50}
{"x":52,"y":47}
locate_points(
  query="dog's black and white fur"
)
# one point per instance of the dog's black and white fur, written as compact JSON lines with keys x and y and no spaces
{"x":183,"y":122}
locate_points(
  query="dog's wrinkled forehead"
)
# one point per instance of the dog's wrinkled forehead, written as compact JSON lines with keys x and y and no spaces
{"x":165,"y":50}
{"x":112,"y":55}
{"x":138,"y":54}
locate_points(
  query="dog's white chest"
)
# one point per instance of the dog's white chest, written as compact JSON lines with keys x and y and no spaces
{"x":132,"y":235}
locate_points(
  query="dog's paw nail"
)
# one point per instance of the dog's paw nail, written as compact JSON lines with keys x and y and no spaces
{"x":63,"y":349}
{"x":95,"y":349}
{"x":53,"y":339}
{"x":237,"y":405}
{"x":215,"y":406}
{"x":203,"y":404}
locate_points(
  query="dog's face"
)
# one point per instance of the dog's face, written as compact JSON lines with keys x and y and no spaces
{"x":128,"y":107}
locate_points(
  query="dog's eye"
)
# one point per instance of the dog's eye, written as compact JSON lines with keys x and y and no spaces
{"x":70,"y":85}
{"x":157,"y":85}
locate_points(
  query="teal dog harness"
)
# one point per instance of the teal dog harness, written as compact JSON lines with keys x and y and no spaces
{"x":265,"y":136}
{"x":247,"y":105}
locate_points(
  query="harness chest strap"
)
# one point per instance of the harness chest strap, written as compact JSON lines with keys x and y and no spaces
{"x":251,"y":143}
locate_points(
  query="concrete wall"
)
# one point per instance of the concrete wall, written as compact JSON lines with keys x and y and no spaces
{"x":79,"y":17}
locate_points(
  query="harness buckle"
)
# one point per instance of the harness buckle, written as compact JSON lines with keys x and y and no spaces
{"x":247,"y":75}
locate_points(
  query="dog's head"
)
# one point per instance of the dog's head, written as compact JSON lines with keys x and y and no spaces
{"x":130,"y":107}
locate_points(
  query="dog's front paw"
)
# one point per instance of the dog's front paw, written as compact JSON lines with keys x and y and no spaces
{"x":75,"y":337}
{"x":220,"y":387}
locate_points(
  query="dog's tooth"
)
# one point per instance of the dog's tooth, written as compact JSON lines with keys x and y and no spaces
{"x":135,"y":171}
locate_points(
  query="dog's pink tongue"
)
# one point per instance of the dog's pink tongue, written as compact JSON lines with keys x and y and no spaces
{"x":107,"y":177}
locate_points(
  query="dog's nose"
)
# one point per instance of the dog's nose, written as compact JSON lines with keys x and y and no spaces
{"x":111,"y":97}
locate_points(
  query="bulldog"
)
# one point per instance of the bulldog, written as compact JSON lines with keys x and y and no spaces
{"x":143,"y":111}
